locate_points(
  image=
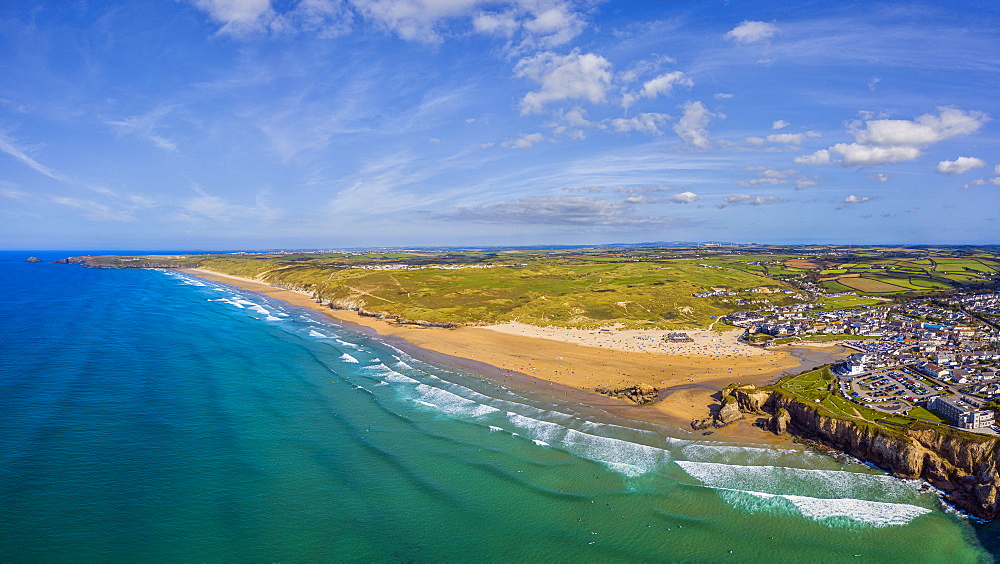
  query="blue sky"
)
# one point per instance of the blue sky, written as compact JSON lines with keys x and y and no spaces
{"x":241,"y":124}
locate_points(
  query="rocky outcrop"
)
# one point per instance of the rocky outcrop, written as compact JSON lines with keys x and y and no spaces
{"x":780,"y":420}
{"x":640,"y":393}
{"x":729,"y":412}
{"x":74,"y":260}
{"x":33,"y":259}
{"x":748,"y":397}
{"x":965,"y":466}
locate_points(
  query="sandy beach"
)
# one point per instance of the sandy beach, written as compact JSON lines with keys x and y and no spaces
{"x":687,"y":373}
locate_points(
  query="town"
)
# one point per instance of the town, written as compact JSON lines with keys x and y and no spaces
{"x":919,"y":358}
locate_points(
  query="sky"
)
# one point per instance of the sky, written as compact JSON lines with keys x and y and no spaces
{"x":264,"y":124}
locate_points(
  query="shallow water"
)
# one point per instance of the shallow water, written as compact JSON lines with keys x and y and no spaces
{"x":151,"y":415}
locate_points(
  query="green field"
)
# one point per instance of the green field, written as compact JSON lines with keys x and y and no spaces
{"x":636,"y":287}
{"x":544,"y":292}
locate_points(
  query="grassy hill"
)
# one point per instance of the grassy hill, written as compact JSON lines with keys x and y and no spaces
{"x":633,"y":287}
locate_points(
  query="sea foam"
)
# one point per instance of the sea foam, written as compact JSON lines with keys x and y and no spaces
{"x":831,"y":512}
{"x":781,"y":480}
{"x":450,"y":403}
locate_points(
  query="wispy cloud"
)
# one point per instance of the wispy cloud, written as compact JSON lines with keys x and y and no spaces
{"x":11,"y":148}
{"x":561,"y":210}
{"x":748,"y":200}
{"x":147,"y":126}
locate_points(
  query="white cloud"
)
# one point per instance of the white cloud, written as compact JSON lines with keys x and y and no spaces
{"x":414,"y":20}
{"x":525,"y":141}
{"x":995,"y":181}
{"x":643,"y":67}
{"x":779,"y":124}
{"x":555,"y":25}
{"x":724,"y":96}
{"x":545,"y":24}
{"x":691,"y":127}
{"x":573,"y":76}
{"x":960,"y":165}
{"x":648,"y":123}
{"x":791,"y":138}
{"x":239,"y":16}
{"x":924,"y":130}
{"x":803,"y":183}
{"x":768,"y":177}
{"x":819,"y":157}
{"x":685,"y":198}
{"x":878,"y":177}
{"x":872,"y":155}
{"x":881,"y":141}
{"x":662,"y":84}
{"x":977,"y":182}
{"x":996,"y":170}
{"x":503,"y":23}
{"x":752,"y":32}
{"x":852,"y":199}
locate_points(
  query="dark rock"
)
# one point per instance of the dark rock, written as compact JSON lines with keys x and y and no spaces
{"x":640,"y":393}
{"x":33,"y":259}
{"x":699,"y":424}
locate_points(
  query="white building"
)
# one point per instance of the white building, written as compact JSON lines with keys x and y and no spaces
{"x":964,"y":415}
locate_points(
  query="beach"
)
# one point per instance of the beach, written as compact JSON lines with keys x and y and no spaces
{"x":570,"y":361}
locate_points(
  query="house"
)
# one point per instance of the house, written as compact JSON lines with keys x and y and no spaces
{"x":931,"y":369}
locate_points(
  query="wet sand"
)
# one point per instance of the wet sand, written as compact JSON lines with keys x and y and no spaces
{"x":571,"y":371}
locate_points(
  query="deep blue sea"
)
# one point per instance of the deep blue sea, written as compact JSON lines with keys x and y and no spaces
{"x":148,"y":415}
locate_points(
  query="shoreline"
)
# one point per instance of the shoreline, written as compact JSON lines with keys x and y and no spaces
{"x":535,"y":361}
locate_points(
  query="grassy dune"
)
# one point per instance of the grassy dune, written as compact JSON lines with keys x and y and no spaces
{"x":633,"y":287}
{"x":592,"y":294}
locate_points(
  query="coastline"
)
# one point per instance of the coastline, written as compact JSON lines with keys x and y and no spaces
{"x":564,"y":362}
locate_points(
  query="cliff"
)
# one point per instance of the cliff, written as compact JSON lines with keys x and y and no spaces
{"x":963,"y":465}
{"x":112,"y":261}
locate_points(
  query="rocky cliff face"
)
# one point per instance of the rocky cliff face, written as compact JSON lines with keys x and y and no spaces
{"x":963,"y":465}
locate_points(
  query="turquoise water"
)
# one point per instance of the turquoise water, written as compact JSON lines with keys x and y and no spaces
{"x":149,"y":415}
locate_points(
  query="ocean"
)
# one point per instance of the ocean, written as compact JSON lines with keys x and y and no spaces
{"x":148,"y":415}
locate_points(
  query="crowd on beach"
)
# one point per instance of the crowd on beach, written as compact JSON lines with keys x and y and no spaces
{"x":701,"y":342}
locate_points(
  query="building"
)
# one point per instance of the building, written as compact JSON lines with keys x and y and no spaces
{"x":931,"y":369}
{"x":855,"y":364}
{"x":964,"y":415}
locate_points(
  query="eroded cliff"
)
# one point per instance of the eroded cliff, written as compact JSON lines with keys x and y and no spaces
{"x":961,"y":464}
